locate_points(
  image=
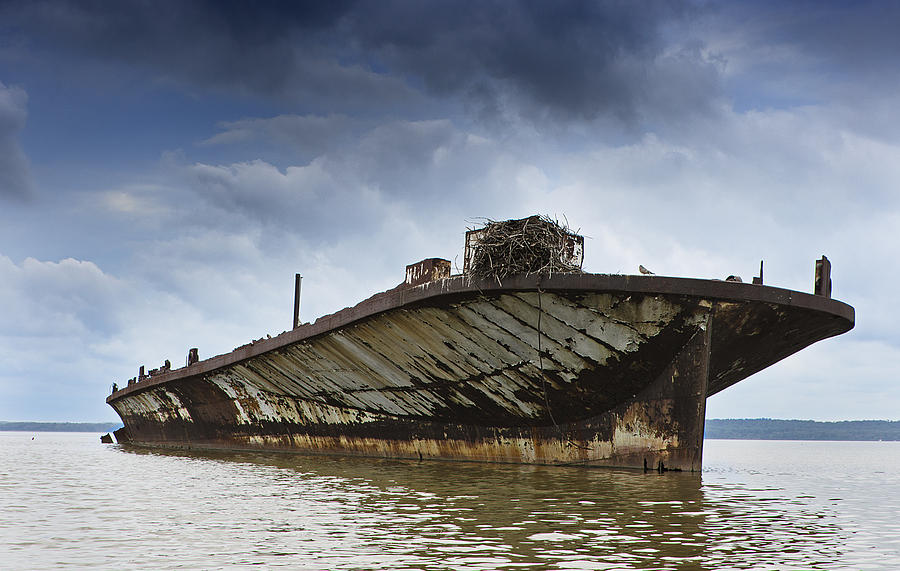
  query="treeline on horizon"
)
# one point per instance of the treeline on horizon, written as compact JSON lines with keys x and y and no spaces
{"x":59,"y":426}
{"x":773,"y":429}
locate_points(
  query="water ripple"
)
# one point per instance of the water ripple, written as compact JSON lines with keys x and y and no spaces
{"x":67,"y":501}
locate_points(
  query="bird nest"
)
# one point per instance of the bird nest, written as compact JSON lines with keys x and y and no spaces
{"x":533,"y":245}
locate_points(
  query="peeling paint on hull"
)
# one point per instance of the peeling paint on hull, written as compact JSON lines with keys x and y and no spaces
{"x":574,"y":369}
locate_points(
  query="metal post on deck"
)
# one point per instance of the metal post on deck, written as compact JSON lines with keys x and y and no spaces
{"x":297,"y":279}
{"x":758,"y":280}
{"x":823,"y":277}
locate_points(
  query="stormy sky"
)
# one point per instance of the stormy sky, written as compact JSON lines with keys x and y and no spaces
{"x":166,"y":167}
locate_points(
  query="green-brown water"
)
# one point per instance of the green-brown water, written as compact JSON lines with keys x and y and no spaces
{"x":68,"y":501}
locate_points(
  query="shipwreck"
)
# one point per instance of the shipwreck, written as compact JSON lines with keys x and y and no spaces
{"x":522,"y":357}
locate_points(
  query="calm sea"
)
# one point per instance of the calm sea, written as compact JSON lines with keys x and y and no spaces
{"x":67,"y":501}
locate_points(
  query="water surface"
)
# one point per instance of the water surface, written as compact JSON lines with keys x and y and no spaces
{"x":68,"y":501}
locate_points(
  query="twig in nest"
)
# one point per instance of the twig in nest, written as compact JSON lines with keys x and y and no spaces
{"x":533,"y":245}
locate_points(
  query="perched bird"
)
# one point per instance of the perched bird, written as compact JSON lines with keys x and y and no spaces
{"x":644,"y":270}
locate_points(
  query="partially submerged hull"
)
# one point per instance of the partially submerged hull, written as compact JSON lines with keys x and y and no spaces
{"x":588,"y":369}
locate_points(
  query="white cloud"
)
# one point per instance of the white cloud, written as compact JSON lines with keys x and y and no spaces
{"x":70,"y":297}
{"x":70,"y":328}
{"x":393,"y":173}
{"x":54,"y":315}
{"x":146,"y":203}
{"x":306,"y":133}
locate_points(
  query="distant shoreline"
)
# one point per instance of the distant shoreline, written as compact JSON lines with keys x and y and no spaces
{"x":59,"y":426}
{"x":716,"y":429}
{"x":774,"y":429}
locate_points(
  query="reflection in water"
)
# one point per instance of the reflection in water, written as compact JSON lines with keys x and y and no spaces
{"x":164,"y":509}
{"x":365,"y":513}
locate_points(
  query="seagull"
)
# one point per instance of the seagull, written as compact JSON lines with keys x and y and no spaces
{"x":644,"y":270}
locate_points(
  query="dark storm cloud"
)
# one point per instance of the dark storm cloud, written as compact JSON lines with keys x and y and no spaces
{"x":808,"y":52}
{"x":839,"y":55}
{"x":568,"y":60}
{"x":220,"y":44}
{"x":15,"y":176}
{"x":851,"y":38}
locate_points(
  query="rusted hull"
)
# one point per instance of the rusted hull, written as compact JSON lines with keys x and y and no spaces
{"x":564,"y":370}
